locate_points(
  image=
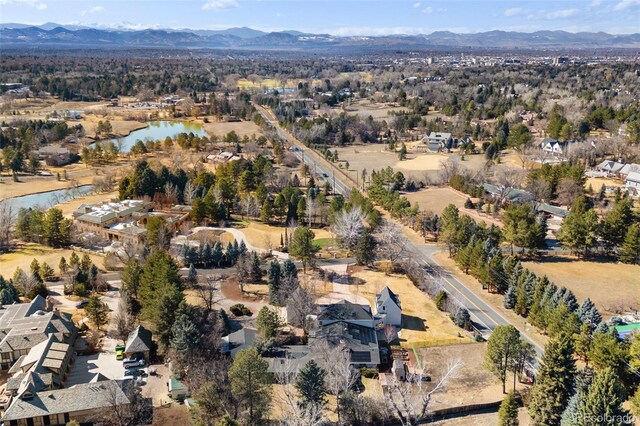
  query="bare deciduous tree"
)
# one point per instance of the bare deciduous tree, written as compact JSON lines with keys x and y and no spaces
{"x":348,"y":226}
{"x":208,"y":292}
{"x":409,"y":399}
{"x":6,"y":220}
{"x":392,"y":243}
{"x":123,"y":321}
{"x":294,"y":413}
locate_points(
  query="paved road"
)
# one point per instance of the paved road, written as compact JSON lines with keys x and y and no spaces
{"x":485,"y":317}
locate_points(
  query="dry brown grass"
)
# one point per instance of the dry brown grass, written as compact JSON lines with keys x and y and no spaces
{"x":423,"y":324}
{"x":242,"y":128}
{"x":472,"y":384}
{"x":613,"y":287}
{"x":435,"y":199}
{"x":24,"y":255}
{"x":261,"y":235}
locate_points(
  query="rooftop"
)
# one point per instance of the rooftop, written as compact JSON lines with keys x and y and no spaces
{"x":345,"y":310}
{"x":83,"y":397}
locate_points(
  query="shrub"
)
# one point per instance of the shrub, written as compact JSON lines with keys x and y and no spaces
{"x":441,"y":300}
{"x":240,"y":310}
{"x":80,"y":290}
{"x":369,"y":373}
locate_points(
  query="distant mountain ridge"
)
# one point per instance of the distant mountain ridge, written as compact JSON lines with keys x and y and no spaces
{"x":78,"y":36}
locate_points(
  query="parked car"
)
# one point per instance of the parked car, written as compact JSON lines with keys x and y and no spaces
{"x":135,"y":372}
{"x":129,"y":363}
{"x":120,"y":352}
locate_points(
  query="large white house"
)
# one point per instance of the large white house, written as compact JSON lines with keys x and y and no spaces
{"x":388,"y":307}
{"x":632,"y":183}
{"x":554,"y":147}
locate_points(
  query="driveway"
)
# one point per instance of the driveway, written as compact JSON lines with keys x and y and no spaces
{"x":341,"y":288}
{"x":86,"y":367}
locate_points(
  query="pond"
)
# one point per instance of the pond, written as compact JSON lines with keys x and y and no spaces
{"x":159,"y":130}
{"x":50,"y":198}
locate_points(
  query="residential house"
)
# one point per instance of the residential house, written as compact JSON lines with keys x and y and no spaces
{"x":86,"y":403}
{"x":177,"y":390}
{"x":345,"y":311}
{"x":44,"y":367}
{"x":632,"y":183}
{"x":610,"y":167}
{"x":25,"y":325}
{"x":388,"y":308}
{"x":235,"y":342}
{"x":438,"y":141}
{"x":351,"y":325}
{"x":55,"y":155}
{"x":628,"y":168}
{"x":139,"y":343}
{"x":554,"y":147}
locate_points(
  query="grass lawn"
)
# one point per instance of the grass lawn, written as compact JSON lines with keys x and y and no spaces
{"x":324,"y":242}
{"x":264,"y":236}
{"x":613,"y":287}
{"x":422,"y":323}
{"x":24,"y":255}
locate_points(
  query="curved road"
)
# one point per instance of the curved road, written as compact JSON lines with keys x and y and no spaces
{"x":485,"y":317}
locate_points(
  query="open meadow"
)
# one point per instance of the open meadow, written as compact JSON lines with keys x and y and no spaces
{"x":613,"y":287}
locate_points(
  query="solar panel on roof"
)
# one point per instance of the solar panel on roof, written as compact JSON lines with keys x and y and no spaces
{"x":360,"y":356}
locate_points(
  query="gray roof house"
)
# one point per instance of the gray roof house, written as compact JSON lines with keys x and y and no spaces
{"x":437,"y":141}
{"x":25,"y":325}
{"x":632,"y":183}
{"x":139,"y":342}
{"x":237,"y":341}
{"x":553,"y":146}
{"x":388,"y":308}
{"x":85,"y":403}
{"x":628,"y":168}
{"x":610,"y":166}
{"x":345,"y":311}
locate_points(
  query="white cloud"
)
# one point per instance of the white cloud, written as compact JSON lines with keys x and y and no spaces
{"x":595,"y":3}
{"x":626,"y":4}
{"x":36,"y":4}
{"x":95,"y":9}
{"x":564,"y":13}
{"x":416,"y":5}
{"x":427,"y":10}
{"x":220,"y":4}
{"x":515,"y":11}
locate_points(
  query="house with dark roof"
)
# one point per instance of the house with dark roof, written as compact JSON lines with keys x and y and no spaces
{"x":438,"y":141}
{"x":347,"y":312}
{"x":235,"y":342}
{"x":86,"y":403}
{"x":610,"y":167}
{"x":139,"y":343}
{"x":388,"y":308}
{"x":554,"y":147}
{"x":25,"y":325}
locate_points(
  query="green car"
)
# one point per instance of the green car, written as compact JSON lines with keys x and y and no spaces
{"x":120,"y":352}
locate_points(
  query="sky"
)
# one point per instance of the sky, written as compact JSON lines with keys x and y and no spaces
{"x":337,"y":17}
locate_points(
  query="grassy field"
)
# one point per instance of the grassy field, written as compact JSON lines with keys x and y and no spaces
{"x":264,"y":236}
{"x":435,"y":199}
{"x":422,"y":323}
{"x":613,"y":287}
{"x":24,"y":255}
{"x":242,"y":128}
{"x":324,"y":242}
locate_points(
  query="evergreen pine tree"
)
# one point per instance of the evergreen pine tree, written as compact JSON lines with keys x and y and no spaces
{"x":192,"y":278}
{"x":510,"y":298}
{"x":275,"y":278}
{"x":554,"y":382}
{"x":256,"y":268}
{"x":508,"y":412}
{"x":602,"y":403}
{"x":217,"y":255}
{"x":630,"y":249}
{"x":311,"y":385}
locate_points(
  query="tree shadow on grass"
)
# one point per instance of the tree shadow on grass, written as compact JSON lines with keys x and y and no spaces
{"x":410,"y":322}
